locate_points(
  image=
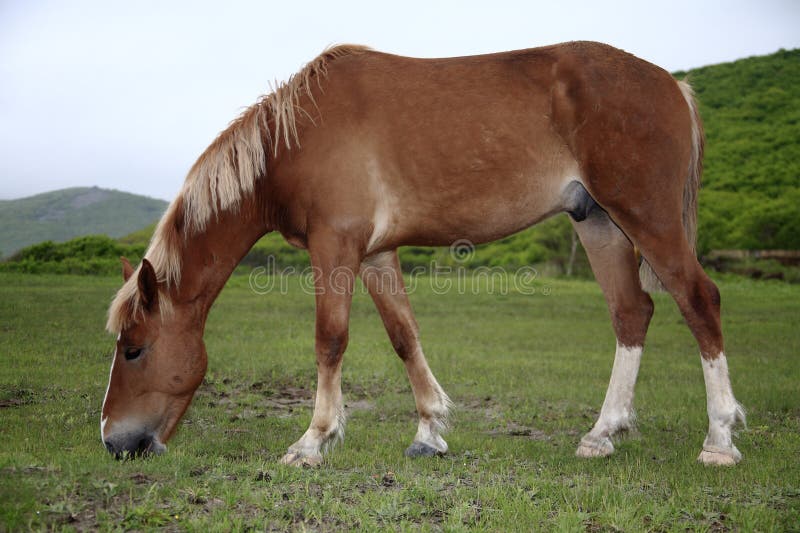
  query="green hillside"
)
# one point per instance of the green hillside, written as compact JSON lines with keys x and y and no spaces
{"x":64,"y":214}
{"x":751,"y":180}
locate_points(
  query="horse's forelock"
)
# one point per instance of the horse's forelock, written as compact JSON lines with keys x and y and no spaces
{"x":127,"y":307}
{"x":124,"y":306}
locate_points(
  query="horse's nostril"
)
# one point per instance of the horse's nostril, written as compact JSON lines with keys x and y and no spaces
{"x":112,"y":450}
{"x":144,"y":446}
{"x":131,"y":446}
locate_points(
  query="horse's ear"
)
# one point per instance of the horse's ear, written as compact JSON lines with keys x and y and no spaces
{"x":148,"y":284}
{"x":127,"y":269}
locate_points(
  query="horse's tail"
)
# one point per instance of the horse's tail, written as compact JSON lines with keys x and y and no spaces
{"x":650,"y":281}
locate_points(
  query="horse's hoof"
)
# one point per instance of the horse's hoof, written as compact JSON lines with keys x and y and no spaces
{"x":300,"y":460}
{"x":420,"y":449}
{"x":720,"y":456}
{"x":595,"y":447}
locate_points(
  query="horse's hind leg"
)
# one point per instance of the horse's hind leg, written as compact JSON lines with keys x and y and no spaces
{"x":669,"y":254}
{"x":614,"y":263}
{"x":382,"y":277}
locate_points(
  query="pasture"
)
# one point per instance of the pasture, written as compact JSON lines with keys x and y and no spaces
{"x":527,"y":374}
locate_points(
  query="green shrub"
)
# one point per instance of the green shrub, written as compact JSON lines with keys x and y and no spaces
{"x":93,"y":254}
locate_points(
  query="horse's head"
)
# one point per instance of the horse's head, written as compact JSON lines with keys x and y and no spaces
{"x":159,"y":361}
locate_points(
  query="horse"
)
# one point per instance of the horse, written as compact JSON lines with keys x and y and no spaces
{"x":362,"y":152}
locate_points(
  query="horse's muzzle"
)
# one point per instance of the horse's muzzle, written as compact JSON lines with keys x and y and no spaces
{"x":132,"y":446}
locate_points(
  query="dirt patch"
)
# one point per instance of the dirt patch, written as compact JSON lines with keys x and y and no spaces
{"x":359,"y":405}
{"x":14,"y":397}
{"x":435,"y":516}
{"x":14,"y":402}
{"x":242,"y":400}
{"x":489,"y":409}
{"x":388,"y":479}
{"x":486,"y":406}
{"x":593,"y":526}
{"x":140,"y":479}
{"x":513,"y":429}
{"x":472,"y":515}
{"x":286,"y":399}
{"x":11,"y":396}
{"x":263,"y":476}
{"x":30,"y":469}
{"x":199,"y":471}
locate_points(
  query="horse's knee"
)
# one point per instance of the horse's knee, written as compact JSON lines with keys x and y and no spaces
{"x":330,"y":349}
{"x":401,"y":346}
{"x":703,"y":316}
{"x":403,"y":334}
{"x":704,"y":294}
{"x":331,"y":340}
{"x":404,"y":340}
{"x":632,"y":320}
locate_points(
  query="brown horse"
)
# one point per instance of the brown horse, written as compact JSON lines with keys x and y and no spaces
{"x":362,"y":152}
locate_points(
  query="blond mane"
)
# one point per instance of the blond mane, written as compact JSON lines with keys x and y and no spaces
{"x":222,"y":176}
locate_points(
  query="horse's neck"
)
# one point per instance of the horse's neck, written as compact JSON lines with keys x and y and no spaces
{"x":210,"y":256}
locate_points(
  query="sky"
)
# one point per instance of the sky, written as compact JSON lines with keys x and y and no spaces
{"x":126,"y":95}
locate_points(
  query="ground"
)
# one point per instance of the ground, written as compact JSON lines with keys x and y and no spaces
{"x":527,"y":373}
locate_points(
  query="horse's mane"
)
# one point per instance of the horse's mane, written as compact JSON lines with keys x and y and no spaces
{"x":221,"y":177}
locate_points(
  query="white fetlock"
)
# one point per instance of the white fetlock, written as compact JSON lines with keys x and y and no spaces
{"x":724,"y":413}
{"x":594,"y":446}
{"x":617,"y":414}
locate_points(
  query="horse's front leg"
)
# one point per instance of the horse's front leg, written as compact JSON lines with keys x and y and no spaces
{"x":382,"y":276}
{"x":335,"y":267}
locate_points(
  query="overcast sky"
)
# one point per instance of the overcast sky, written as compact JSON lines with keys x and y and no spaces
{"x":126,"y":95}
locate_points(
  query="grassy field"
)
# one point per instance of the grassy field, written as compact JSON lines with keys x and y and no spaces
{"x":527,"y":374}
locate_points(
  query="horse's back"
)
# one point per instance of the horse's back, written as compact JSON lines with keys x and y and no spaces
{"x":472,"y":147}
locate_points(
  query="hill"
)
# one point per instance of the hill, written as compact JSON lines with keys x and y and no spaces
{"x":751,"y":113}
{"x":67,"y":213}
{"x":751,"y":179}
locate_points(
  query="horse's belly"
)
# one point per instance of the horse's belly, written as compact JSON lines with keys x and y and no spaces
{"x":483,"y":211}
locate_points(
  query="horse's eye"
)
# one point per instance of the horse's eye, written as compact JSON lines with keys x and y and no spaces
{"x":132,"y":353}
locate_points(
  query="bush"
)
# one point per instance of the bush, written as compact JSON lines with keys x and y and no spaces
{"x":93,"y":254}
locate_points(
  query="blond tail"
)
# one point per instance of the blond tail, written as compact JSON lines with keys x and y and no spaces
{"x":650,"y":281}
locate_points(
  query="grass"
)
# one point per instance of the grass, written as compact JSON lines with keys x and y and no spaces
{"x":527,"y":373}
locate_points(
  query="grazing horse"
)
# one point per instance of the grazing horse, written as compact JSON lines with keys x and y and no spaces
{"x":362,"y":152}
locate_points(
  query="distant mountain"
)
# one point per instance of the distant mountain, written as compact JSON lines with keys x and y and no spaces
{"x":67,"y":213}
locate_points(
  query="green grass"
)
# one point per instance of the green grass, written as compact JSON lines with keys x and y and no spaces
{"x":527,"y":374}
